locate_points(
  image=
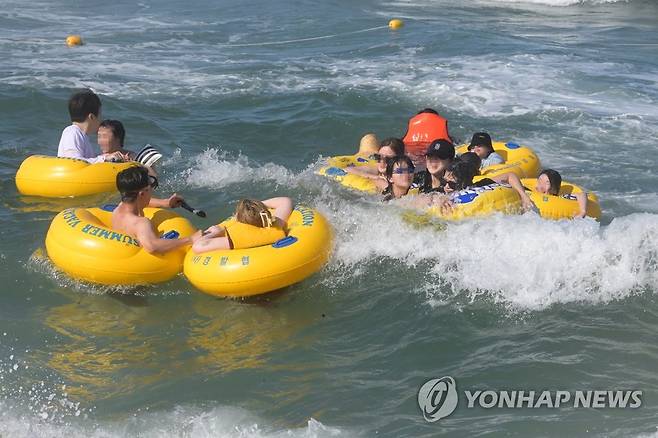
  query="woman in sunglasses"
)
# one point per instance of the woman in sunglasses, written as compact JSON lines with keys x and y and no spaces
{"x":136,"y":186}
{"x":388,"y":148}
{"x":399,"y":176}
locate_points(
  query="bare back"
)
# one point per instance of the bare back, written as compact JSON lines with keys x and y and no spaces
{"x":126,"y":221}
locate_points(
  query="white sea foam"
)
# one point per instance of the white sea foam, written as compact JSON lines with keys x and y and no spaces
{"x":216,"y":168}
{"x":521,"y":261}
{"x":182,"y":421}
{"x":36,"y":404}
{"x":25,"y":389}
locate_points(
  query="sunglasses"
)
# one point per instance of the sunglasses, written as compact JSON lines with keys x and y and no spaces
{"x":451,"y":184}
{"x":403,"y":170}
{"x":153,"y":182}
{"x":380,"y":157}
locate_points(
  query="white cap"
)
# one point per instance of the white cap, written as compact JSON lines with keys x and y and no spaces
{"x":148,"y":156}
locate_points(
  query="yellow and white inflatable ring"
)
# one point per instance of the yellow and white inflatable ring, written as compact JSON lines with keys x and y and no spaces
{"x":481,"y":201}
{"x":335,"y":169}
{"x":520,"y":160}
{"x":253,"y":271}
{"x":81,"y":243}
{"x":57,"y":177}
{"x":564,"y":205}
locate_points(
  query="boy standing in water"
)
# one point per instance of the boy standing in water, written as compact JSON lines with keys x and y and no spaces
{"x":85,"y":111}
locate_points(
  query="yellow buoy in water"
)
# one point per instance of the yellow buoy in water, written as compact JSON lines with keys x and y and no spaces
{"x":395,"y":24}
{"x":73,"y":40}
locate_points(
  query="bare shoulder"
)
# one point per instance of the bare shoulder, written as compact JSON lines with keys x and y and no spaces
{"x":129,"y":223}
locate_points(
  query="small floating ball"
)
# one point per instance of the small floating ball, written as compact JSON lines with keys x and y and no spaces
{"x":73,"y":40}
{"x":395,"y":24}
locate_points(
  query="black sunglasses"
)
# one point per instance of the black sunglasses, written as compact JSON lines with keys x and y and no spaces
{"x":380,"y":157}
{"x":451,"y":184}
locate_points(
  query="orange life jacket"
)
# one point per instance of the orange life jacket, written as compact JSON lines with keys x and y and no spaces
{"x":423,"y":129}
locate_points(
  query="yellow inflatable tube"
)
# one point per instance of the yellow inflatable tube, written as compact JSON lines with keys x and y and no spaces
{"x":81,"y":243}
{"x":564,"y":205}
{"x":253,"y":271}
{"x":56,"y":177}
{"x":335,"y":169}
{"x":480,"y":202}
{"x":520,"y":160}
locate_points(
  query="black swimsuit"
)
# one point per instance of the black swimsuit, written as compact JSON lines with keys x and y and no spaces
{"x":423,"y":181}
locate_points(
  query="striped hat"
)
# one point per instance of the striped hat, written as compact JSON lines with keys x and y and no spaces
{"x":148,"y":156}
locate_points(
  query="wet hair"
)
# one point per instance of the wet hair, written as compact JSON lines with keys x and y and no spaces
{"x":83,"y":103}
{"x":427,"y":110}
{"x":400,"y":159}
{"x":554,"y":178}
{"x":394,"y":143}
{"x":116,"y":127}
{"x":472,"y":159}
{"x":130,"y":181}
{"x":463,"y":172}
{"x":253,"y":212}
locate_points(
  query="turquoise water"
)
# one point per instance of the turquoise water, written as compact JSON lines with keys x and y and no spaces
{"x":503,"y":303}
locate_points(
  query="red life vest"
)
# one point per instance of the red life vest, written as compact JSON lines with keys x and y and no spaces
{"x":423,"y":129}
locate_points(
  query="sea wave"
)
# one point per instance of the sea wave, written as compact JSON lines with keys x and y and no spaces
{"x":524,"y":262}
{"x":181,"y":421}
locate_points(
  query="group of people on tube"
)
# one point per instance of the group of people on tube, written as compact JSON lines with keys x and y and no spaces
{"x":256,"y":221}
{"x":425,"y":159}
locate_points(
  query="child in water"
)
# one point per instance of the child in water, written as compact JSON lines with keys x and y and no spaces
{"x":111,"y":136}
{"x":549,"y":182}
{"x":254,"y":225}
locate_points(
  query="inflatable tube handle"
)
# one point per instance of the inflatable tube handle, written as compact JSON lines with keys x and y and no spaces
{"x":173,"y":234}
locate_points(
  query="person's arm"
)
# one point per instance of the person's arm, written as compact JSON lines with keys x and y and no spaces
{"x":171,"y":202}
{"x":443,"y":202}
{"x":425,"y":200}
{"x":154,"y":244}
{"x":113,"y":157}
{"x":128,"y":155}
{"x":493,"y":158}
{"x":72,"y":150}
{"x":282,"y":207}
{"x":364,"y":171}
{"x":581,"y":197}
{"x":211,"y":239}
{"x":515,"y":182}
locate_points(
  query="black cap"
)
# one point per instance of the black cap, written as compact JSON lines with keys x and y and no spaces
{"x":442,"y":149}
{"x":480,"y":139}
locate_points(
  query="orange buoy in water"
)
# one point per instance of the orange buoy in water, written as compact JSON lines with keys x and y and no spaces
{"x":73,"y":40}
{"x":395,"y":24}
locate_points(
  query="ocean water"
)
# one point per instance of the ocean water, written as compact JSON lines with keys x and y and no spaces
{"x":246,"y":100}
